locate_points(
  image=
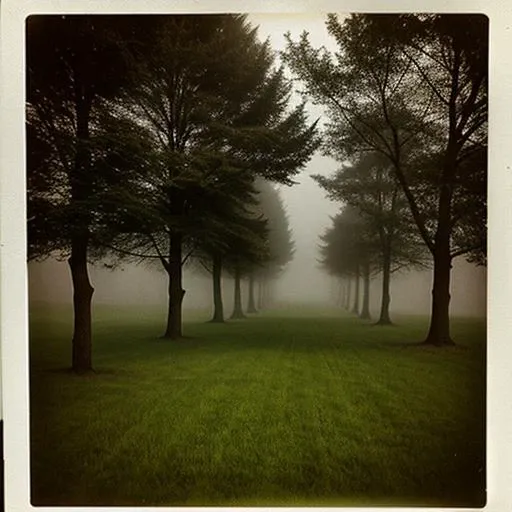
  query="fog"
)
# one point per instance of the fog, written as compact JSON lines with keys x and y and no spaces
{"x":309,"y":214}
{"x":303,"y":281}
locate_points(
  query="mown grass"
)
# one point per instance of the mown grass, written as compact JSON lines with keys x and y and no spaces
{"x":287,"y":408}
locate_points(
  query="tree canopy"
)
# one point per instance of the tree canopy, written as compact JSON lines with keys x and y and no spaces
{"x":74,"y":65}
{"x":144,"y":134}
{"x":413,"y":88}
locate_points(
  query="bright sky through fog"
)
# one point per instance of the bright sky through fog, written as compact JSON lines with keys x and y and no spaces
{"x":308,"y":209}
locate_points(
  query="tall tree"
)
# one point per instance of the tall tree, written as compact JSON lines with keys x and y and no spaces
{"x":214,"y":104}
{"x":413,"y":88}
{"x":74,"y":64}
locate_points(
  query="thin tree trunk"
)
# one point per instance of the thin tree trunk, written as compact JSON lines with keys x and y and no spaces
{"x":218,"y":308}
{"x":365,"y":312}
{"x":355,"y":307}
{"x":384,"y":318}
{"x":176,"y":291}
{"x":82,"y":298}
{"x":237,"y":309}
{"x":251,"y":306}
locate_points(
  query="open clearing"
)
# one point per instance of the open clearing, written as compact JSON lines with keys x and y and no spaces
{"x":297,"y":407}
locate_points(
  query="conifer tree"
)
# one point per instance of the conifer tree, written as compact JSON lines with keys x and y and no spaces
{"x":215,"y":107}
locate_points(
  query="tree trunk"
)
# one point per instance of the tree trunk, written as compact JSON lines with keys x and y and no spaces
{"x":176,"y":291}
{"x":251,"y":306}
{"x":355,"y":307}
{"x":82,"y":298}
{"x":80,"y":181}
{"x":439,"y":331}
{"x":237,"y":310}
{"x":384,"y":318}
{"x":365,"y":312}
{"x":218,"y":308}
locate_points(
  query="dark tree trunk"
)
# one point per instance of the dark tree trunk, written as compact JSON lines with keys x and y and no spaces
{"x":176,"y":291}
{"x":365,"y":312}
{"x":384,"y":318}
{"x":81,"y":184}
{"x":251,"y":305}
{"x":218,"y":308}
{"x":82,"y":298}
{"x":439,"y":331}
{"x":355,"y":307}
{"x":237,"y":309}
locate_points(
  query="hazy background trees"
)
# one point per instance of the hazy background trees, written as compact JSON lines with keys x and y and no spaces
{"x":392,"y":240}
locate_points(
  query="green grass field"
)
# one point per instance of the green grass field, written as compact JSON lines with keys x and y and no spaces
{"x":297,"y":408}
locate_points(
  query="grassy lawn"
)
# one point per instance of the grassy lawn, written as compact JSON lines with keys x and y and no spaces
{"x":286,"y":408}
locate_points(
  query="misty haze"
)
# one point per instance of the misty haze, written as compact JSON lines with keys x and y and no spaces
{"x":302,"y":282}
{"x":257,"y":259}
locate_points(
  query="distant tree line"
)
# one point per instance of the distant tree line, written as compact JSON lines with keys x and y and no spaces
{"x":406,"y":101}
{"x":374,"y":233}
{"x":156,"y":138}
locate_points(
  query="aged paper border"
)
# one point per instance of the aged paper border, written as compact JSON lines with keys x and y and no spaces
{"x":13,"y":275}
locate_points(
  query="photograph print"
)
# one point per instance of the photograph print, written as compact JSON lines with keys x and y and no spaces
{"x":256,"y":251}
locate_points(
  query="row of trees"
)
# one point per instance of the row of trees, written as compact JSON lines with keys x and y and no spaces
{"x":374,"y":233}
{"x":147,"y":138}
{"x":406,"y":97}
{"x":259,"y":256}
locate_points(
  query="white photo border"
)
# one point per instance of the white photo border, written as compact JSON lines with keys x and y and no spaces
{"x":13,"y":268}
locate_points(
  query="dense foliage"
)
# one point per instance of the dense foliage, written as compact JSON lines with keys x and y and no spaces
{"x":412,"y":88}
{"x":144,"y":135}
